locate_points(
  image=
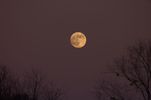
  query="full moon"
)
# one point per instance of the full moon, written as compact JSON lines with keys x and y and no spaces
{"x":78,"y":40}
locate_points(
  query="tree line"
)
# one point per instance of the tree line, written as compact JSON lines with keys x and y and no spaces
{"x":131,"y":71}
{"x":30,"y":87}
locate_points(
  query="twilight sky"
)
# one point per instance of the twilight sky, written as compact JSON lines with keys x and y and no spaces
{"x":36,"y":33}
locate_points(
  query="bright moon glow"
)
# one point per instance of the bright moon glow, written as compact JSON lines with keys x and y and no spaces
{"x":78,"y":40}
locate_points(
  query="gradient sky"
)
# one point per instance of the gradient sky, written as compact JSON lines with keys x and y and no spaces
{"x":36,"y":33}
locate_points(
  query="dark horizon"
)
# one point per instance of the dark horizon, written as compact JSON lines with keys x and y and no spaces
{"x":36,"y":33}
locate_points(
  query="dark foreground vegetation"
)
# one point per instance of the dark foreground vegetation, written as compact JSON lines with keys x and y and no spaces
{"x":132,"y":73}
{"x":30,"y":87}
{"x":130,"y":80}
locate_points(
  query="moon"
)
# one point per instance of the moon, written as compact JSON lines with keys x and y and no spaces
{"x":78,"y":40}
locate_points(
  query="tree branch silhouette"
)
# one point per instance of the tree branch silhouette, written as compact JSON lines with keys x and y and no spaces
{"x":135,"y":68}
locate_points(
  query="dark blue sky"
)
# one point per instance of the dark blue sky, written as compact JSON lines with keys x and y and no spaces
{"x":37,"y":32}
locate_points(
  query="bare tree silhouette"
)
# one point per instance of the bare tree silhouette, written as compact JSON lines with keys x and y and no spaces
{"x":135,"y":67}
{"x":8,"y":84}
{"x":33,"y":83}
{"x":108,"y":90}
{"x":5,"y":83}
{"x":38,"y":88}
{"x":30,"y":87}
{"x":52,"y":92}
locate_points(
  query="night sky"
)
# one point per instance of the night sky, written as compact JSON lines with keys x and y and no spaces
{"x":36,"y":33}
